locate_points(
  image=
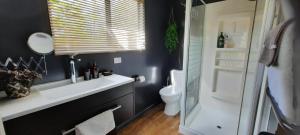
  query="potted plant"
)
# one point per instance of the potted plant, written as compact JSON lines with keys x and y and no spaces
{"x":171,"y":37}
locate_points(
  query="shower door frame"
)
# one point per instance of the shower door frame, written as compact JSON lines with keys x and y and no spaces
{"x":182,"y":128}
{"x":188,"y":8}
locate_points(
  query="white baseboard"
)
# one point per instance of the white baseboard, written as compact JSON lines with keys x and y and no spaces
{"x":188,"y":131}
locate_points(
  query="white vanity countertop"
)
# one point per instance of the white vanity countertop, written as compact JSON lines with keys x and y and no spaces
{"x":41,"y":99}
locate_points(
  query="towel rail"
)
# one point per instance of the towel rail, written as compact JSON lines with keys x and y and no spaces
{"x":116,"y":108}
{"x":73,"y":129}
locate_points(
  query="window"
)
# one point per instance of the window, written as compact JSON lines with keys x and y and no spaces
{"x":95,"y":26}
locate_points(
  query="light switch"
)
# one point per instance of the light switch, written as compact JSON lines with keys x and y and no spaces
{"x":117,"y":60}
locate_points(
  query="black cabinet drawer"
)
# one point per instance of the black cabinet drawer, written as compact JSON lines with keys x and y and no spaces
{"x":53,"y":120}
{"x":126,"y":112}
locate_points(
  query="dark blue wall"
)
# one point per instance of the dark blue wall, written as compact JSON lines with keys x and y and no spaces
{"x":20,"y":18}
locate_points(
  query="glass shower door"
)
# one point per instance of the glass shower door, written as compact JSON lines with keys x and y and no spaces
{"x":194,"y":57}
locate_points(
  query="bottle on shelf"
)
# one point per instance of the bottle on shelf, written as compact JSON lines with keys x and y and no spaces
{"x":94,"y":71}
{"x":221,"y":41}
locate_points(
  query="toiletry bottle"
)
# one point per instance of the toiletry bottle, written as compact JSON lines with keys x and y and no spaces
{"x":221,"y":41}
{"x":87,"y":74}
{"x":91,"y":71}
{"x":94,"y":70}
{"x":97,"y":72}
{"x":226,"y":41}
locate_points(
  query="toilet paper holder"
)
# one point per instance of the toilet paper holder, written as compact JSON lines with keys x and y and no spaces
{"x":138,"y":78}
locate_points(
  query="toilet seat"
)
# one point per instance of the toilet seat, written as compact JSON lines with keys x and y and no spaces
{"x":168,"y":91}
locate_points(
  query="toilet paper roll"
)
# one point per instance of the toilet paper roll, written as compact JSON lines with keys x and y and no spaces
{"x":141,"y":78}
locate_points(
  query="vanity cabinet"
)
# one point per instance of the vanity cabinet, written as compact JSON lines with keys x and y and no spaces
{"x":54,"y":120}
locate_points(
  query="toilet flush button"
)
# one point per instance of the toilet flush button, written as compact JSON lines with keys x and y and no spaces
{"x":117,"y":60}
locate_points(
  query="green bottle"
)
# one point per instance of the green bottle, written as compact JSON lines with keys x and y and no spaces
{"x":221,"y":41}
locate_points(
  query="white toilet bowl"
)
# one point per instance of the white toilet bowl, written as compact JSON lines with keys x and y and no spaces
{"x":172,"y":93}
{"x":172,"y":100}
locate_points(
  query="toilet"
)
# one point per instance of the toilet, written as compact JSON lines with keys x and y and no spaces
{"x":171,"y":94}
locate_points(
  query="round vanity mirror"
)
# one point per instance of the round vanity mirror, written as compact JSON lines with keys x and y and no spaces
{"x":41,"y":43}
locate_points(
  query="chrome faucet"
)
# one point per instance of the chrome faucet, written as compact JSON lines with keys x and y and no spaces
{"x":73,"y":69}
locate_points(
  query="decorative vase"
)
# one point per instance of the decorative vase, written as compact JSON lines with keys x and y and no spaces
{"x":16,"y":90}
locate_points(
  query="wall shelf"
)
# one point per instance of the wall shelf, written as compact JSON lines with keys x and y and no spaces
{"x":230,"y":64}
{"x":235,"y":69}
{"x":232,"y":49}
{"x":231,"y":59}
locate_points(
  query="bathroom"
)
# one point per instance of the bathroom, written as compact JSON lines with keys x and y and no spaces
{"x":138,"y":67}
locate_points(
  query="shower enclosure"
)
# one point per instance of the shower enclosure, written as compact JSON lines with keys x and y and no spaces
{"x":221,"y":86}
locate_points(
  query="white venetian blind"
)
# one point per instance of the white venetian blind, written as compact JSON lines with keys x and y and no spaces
{"x":95,"y":26}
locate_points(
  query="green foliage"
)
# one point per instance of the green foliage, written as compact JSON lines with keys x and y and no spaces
{"x":171,"y":38}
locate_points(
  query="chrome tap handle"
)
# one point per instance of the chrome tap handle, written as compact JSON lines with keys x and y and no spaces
{"x":72,"y":68}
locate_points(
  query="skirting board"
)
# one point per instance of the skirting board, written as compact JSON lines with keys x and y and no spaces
{"x":188,"y":131}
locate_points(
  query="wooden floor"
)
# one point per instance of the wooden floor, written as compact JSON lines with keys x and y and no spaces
{"x":153,"y":122}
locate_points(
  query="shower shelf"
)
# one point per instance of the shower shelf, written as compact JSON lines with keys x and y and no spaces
{"x":235,"y":69}
{"x":230,"y":64}
{"x":230,"y":59}
{"x":232,"y":49}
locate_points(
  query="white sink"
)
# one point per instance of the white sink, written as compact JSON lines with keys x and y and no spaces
{"x":80,"y":88}
{"x":51,"y":94}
